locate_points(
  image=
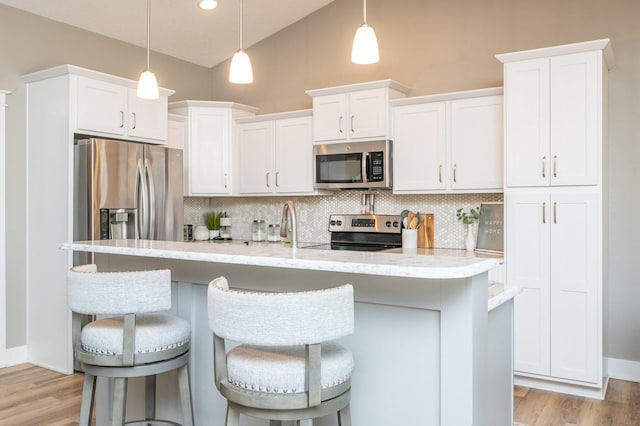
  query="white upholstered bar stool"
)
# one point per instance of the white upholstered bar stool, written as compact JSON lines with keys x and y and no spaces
{"x":136,"y":341}
{"x":287,"y":366}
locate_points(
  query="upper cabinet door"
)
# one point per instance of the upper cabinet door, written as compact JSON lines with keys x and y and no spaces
{"x":368,"y":114}
{"x":255,"y":158}
{"x":329,"y":117}
{"x":477,"y":143}
{"x":576,"y":130}
{"x":147,"y":117}
{"x":293,"y":155}
{"x":419,"y":146}
{"x":527,"y":117}
{"x":209,"y":151}
{"x":101,"y":107}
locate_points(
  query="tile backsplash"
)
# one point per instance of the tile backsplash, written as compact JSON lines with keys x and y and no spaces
{"x":313,"y":212}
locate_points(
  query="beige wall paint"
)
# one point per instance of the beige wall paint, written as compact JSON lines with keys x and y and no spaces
{"x":30,"y":43}
{"x":439,"y":46}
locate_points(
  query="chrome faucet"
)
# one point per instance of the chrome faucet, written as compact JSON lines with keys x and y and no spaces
{"x":289,"y":223}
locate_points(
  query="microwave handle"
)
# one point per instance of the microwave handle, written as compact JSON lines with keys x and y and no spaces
{"x":366,"y":167}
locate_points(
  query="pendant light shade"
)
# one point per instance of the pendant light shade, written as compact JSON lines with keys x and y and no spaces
{"x":207,"y":4}
{"x":365,"y":44}
{"x":240,"y":71}
{"x":147,"y":84}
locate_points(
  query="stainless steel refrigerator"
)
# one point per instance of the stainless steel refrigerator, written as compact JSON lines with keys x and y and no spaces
{"x":127,"y":190}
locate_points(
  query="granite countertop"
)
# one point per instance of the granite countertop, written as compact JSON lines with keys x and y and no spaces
{"x":412,"y":263}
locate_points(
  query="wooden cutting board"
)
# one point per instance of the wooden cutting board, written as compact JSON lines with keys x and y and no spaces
{"x":425,"y":231}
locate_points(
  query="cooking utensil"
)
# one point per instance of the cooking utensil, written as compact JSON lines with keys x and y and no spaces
{"x":403,"y":218}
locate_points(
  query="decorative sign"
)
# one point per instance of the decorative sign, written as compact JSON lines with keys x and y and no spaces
{"x":491,"y":228}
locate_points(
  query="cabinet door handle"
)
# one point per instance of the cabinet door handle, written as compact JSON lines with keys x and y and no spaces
{"x":340,"y":124}
{"x":225,"y":181}
{"x":555,"y":212}
{"x":544,"y":213}
{"x":352,"y":118}
{"x":268,"y":186}
{"x":121,"y":119}
{"x":135,"y":120}
{"x":454,"y":173}
{"x":277,"y":176}
{"x":555,"y":166}
{"x":440,"y":173}
{"x":544,"y":167}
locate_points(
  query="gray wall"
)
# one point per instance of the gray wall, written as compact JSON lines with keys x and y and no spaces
{"x":30,"y":43}
{"x":439,"y":46}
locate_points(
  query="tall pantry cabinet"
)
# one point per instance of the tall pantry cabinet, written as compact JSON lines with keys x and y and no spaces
{"x":555,"y":192}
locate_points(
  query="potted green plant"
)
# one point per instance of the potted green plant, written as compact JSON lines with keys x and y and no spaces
{"x":468,"y":219}
{"x":212,"y":220}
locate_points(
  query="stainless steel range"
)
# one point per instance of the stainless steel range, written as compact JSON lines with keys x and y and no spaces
{"x":364,"y":232}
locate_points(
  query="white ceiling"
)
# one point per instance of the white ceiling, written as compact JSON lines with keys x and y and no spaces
{"x":179,"y":28}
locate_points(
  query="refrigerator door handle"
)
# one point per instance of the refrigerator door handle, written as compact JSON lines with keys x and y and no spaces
{"x":151,"y":201}
{"x":141,"y":201}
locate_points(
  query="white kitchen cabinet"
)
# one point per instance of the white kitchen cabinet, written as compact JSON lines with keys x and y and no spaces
{"x":115,"y":110}
{"x":555,"y":130}
{"x":354,"y":112}
{"x":274,"y":154}
{"x":448,"y":143}
{"x":554,"y":111}
{"x":419,"y":147}
{"x":477,"y":144}
{"x":209,"y":145}
{"x":176,"y":131}
{"x":61,"y":104}
{"x":554,"y":246}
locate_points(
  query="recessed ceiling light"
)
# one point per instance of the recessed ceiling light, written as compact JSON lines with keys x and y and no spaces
{"x":208,"y":4}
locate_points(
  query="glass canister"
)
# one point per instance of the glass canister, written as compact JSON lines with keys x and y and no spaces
{"x":258,"y":230}
{"x":273,"y":233}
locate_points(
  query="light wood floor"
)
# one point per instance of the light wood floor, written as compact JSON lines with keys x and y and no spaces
{"x":32,"y":395}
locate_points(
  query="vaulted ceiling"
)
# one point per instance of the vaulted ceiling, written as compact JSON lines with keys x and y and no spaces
{"x":179,"y":28}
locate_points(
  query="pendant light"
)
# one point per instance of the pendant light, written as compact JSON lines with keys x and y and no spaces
{"x":147,"y":85}
{"x":365,"y":44}
{"x":207,"y":4}
{"x":240,"y":71}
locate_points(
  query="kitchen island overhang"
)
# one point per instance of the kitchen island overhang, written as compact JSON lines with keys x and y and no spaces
{"x":421,"y":340}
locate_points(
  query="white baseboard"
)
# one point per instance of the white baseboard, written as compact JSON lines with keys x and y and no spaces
{"x":17,"y":355}
{"x":623,"y":369}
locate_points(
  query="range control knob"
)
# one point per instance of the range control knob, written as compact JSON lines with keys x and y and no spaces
{"x":388,"y":224}
{"x":332,"y":222}
{"x":396,"y":224}
{"x":339,"y":222}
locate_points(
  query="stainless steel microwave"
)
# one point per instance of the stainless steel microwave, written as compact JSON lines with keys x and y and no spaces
{"x":353,"y":165}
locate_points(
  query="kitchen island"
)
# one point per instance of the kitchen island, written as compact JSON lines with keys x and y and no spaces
{"x":424,"y":343}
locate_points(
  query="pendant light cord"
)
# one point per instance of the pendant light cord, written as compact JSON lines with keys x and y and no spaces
{"x":148,"y":29}
{"x":364,"y":12}
{"x":240,"y":24}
